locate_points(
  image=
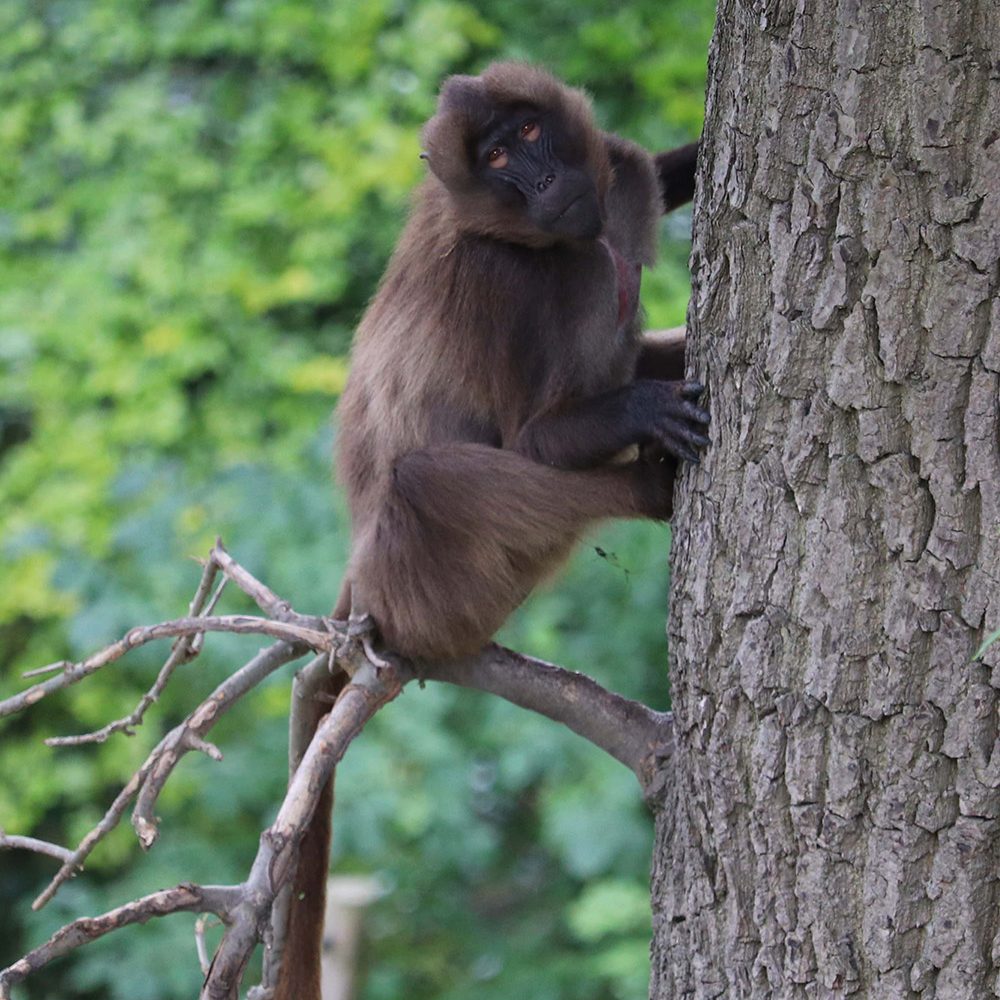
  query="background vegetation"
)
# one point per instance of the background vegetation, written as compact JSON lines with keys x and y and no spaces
{"x":197,"y":200}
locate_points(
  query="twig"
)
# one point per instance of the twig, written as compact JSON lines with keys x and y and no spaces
{"x":9,"y":841}
{"x":265,"y":598}
{"x":49,"y":668}
{"x":190,"y":735}
{"x":218,"y":899}
{"x":198,"y":640}
{"x":316,"y":638}
{"x":149,"y":779}
{"x":184,"y":649}
{"x":200,"y":926}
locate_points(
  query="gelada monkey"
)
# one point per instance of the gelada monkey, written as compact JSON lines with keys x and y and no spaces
{"x":496,"y":377}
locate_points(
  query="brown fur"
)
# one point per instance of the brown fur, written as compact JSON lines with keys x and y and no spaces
{"x":470,"y":337}
{"x":490,"y":389}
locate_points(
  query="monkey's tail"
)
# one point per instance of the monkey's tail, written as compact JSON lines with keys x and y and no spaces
{"x":299,"y":976}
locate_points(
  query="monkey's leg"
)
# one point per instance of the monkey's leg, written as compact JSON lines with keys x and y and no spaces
{"x":467,"y":530}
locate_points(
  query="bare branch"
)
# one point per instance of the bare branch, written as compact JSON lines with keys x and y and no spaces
{"x":218,"y":899}
{"x":257,"y":911}
{"x":369,"y":689}
{"x":184,"y":649}
{"x":108,"y":822}
{"x":9,"y":841}
{"x":265,"y":598}
{"x":673,"y":336}
{"x":315,"y":638}
{"x":200,"y":926}
{"x":631,"y":732}
{"x":158,"y":766}
{"x":49,"y":668}
{"x":208,"y":573}
{"x":197,"y":641}
{"x":190,"y":734}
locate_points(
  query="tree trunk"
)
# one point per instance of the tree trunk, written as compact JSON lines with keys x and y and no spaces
{"x":829,"y":823}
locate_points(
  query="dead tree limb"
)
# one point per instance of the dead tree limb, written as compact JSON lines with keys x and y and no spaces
{"x":183,"y":898}
{"x":628,"y":730}
{"x":184,"y":649}
{"x":73,"y":673}
{"x":370,"y":688}
{"x":253,"y":912}
{"x":157,"y":767}
{"x":9,"y":842}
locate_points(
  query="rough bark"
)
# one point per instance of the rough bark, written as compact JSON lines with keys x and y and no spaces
{"x":829,"y":826}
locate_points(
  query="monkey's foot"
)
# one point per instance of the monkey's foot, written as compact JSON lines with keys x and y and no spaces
{"x":361,"y":628}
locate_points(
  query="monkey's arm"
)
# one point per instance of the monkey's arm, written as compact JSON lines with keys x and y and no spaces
{"x":675,"y":170}
{"x":661,"y":355}
{"x":590,"y":432}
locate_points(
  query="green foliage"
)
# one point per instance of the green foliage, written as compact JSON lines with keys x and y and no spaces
{"x":986,"y":644}
{"x":198,"y":200}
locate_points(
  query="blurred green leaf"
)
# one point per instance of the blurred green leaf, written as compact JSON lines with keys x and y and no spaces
{"x":198,"y":202}
{"x":609,"y":906}
{"x":986,"y":643}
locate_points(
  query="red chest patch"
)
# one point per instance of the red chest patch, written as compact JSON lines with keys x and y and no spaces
{"x":628,"y":277}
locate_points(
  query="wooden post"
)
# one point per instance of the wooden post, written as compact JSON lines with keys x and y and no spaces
{"x":347,"y":897}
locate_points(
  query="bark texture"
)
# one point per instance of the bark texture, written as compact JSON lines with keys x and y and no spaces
{"x":829,"y":826}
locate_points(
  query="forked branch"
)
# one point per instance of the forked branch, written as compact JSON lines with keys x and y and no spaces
{"x":184,"y":898}
{"x":632,"y":733}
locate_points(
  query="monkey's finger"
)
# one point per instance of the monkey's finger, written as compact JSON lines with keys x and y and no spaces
{"x":680,"y":450}
{"x":696,"y":413}
{"x":692,"y":435}
{"x":691,"y":389}
{"x":681,"y":440}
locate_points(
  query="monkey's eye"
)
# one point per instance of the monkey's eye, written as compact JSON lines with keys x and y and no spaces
{"x":530,"y":131}
{"x":497,"y":157}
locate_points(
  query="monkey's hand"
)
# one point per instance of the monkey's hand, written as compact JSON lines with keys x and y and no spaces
{"x":668,"y":418}
{"x":656,"y":415}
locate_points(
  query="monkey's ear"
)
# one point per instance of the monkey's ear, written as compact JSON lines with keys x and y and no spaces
{"x":464,"y":96}
{"x":463,"y":111}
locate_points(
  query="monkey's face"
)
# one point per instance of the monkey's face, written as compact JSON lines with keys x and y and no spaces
{"x":520,"y":156}
{"x":530,"y":162}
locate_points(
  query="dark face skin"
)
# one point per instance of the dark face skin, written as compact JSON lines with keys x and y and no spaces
{"x":527,"y":161}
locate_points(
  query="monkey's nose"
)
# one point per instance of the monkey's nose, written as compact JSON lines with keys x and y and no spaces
{"x":544,"y":182}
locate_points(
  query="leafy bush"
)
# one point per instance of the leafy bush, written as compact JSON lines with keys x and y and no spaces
{"x":199,"y":200}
